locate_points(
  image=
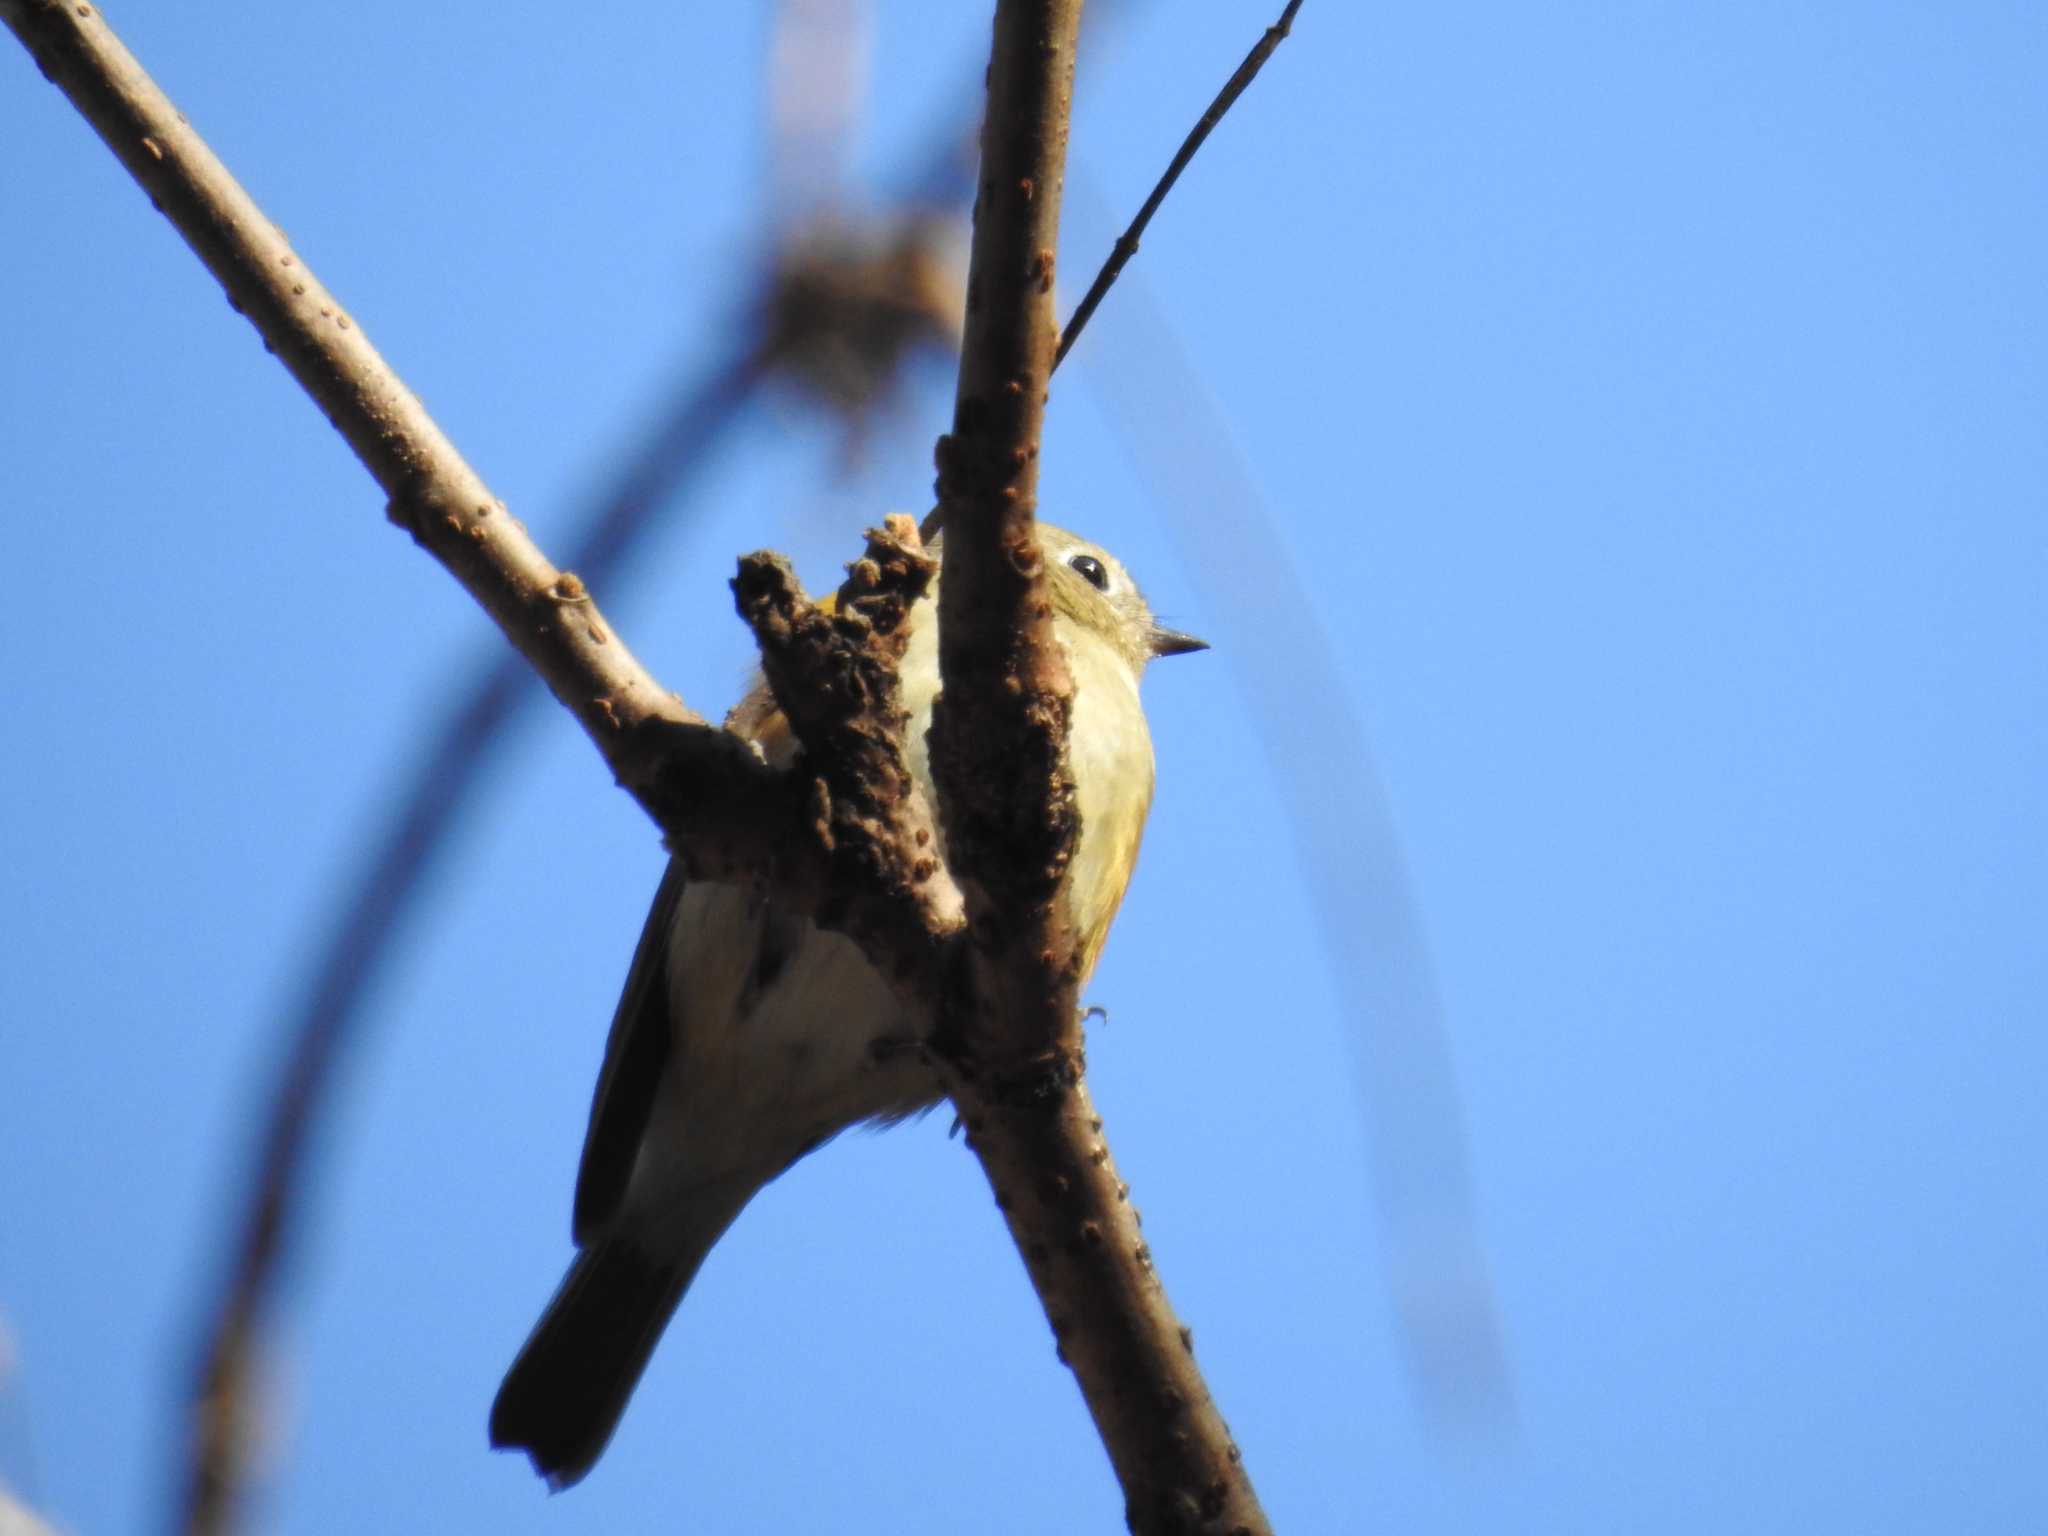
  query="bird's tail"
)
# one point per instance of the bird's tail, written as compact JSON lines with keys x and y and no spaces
{"x":563,"y":1396}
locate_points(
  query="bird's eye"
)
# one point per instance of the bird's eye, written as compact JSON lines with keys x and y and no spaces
{"x":1092,"y":570}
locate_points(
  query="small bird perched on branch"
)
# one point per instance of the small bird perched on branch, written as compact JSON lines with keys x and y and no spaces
{"x":747,"y":1036}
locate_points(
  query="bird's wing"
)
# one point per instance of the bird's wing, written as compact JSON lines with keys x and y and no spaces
{"x":1101,"y":872}
{"x":643,"y":1030}
{"x":634,"y":1057}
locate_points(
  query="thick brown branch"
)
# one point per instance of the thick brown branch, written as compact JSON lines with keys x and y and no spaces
{"x":1011,"y":1045}
{"x":998,"y":739}
{"x":1073,"y":1221}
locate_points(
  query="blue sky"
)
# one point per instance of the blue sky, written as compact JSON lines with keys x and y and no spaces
{"x":1654,"y":403}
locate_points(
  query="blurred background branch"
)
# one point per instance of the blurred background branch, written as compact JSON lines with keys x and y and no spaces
{"x":18,"y":1479}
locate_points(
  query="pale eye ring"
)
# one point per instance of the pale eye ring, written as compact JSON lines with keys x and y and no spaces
{"x":1092,"y":570}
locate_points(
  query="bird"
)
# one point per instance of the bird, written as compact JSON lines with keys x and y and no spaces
{"x":746,"y":1037}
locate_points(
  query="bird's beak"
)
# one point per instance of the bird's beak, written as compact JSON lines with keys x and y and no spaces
{"x":1171,"y":642}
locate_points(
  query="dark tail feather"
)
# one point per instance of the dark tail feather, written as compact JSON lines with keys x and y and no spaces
{"x":563,"y":1396}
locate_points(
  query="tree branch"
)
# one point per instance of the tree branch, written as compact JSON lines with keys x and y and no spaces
{"x":1011,"y":1052}
{"x":998,"y":738}
{"x":1073,"y":1221}
{"x":1127,"y":243}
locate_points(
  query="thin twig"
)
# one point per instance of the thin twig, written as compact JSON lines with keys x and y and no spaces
{"x":1127,"y":243}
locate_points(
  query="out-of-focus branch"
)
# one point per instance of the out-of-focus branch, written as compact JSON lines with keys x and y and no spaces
{"x":839,"y":316}
{"x":1348,"y":842}
{"x":227,"y":1371}
{"x":851,"y":299}
{"x":1011,"y":1049}
{"x":1127,"y":243}
{"x":19,"y":1520}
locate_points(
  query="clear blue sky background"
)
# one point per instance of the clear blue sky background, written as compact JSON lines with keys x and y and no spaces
{"x":1656,"y":400}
